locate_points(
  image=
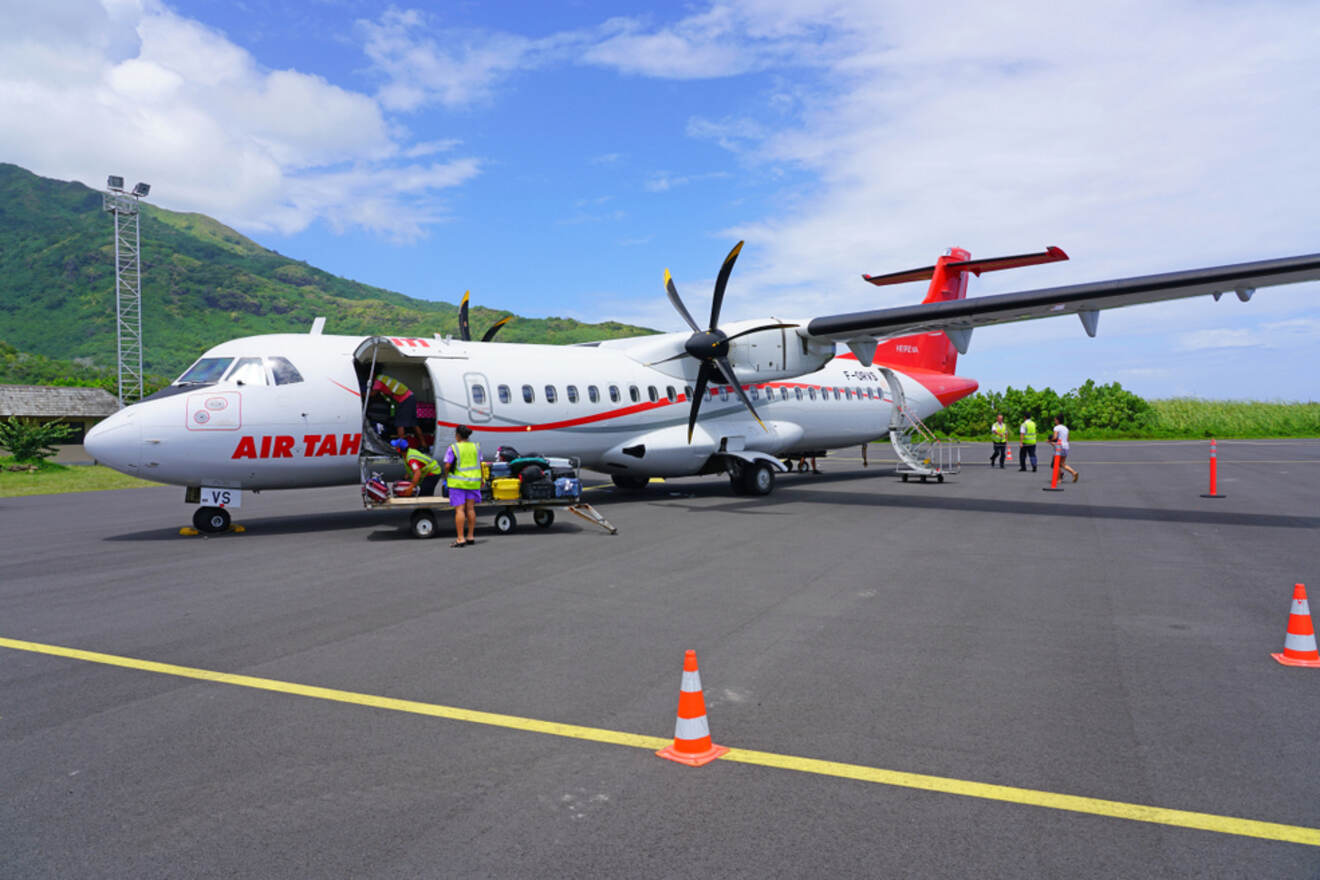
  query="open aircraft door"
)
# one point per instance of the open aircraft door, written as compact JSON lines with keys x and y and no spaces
{"x":428,"y":368}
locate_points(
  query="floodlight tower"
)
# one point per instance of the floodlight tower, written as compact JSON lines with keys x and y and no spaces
{"x":128,"y":284}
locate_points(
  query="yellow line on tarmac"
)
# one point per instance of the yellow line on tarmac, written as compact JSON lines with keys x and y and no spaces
{"x":860,"y":773}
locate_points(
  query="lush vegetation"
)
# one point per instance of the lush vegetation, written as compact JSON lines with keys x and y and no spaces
{"x":48,"y":478}
{"x":1100,"y":412}
{"x":31,"y":441}
{"x":21,"y":368}
{"x":202,"y":283}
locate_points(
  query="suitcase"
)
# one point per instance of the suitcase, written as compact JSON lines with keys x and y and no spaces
{"x":541,"y":490}
{"x":403,"y":489}
{"x":499,"y":469}
{"x":375,"y":490}
{"x":568,"y":487}
{"x":504,"y":489}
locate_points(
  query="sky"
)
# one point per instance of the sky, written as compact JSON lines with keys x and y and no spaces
{"x":556,"y":158}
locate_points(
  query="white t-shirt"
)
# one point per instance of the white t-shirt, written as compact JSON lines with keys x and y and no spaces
{"x":1061,"y":436}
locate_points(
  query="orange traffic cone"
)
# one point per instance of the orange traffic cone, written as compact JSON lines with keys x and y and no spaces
{"x":1008,"y":453}
{"x":1299,"y":644}
{"x":692,"y":745}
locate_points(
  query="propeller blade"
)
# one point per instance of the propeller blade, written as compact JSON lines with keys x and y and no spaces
{"x":703,"y":376}
{"x":495,"y":328}
{"x":737,"y":386}
{"x":759,"y":329}
{"x":681,"y":354}
{"x":463,"y":330}
{"x":678,"y":303}
{"x":718,"y":299}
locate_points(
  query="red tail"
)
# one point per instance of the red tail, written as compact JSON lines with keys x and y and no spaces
{"x":948,"y":281}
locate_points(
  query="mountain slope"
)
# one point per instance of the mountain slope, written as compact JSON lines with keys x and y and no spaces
{"x":202,"y":283}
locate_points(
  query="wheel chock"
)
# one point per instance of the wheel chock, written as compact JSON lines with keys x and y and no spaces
{"x":237,"y":529}
{"x":188,"y":530}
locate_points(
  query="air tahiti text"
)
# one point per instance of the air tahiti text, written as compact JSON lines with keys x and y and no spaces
{"x":283,"y":446}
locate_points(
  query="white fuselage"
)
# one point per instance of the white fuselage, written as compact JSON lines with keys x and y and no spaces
{"x":602,"y":404}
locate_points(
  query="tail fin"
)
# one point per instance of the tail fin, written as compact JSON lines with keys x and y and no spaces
{"x":948,"y":281}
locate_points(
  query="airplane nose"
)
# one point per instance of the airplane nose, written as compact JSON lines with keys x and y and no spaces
{"x":117,"y":442}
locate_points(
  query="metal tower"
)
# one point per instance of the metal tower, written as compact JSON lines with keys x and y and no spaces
{"x":128,"y":284}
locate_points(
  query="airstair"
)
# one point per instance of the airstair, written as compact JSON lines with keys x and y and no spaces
{"x":920,"y":452}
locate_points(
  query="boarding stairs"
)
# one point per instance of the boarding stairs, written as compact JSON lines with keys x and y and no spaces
{"x":920,"y":452}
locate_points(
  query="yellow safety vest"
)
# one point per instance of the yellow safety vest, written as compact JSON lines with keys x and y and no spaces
{"x":467,"y":466}
{"x":1029,"y":433}
{"x":429,"y":465}
{"x":397,"y":389}
{"x":999,"y":432}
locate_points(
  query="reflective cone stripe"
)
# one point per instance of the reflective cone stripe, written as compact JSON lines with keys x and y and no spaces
{"x":1299,"y":647}
{"x":692,"y":744}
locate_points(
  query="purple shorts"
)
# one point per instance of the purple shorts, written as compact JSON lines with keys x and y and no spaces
{"x":457,"y":497}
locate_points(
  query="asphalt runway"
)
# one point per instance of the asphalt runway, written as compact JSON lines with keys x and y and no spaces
{"x":967,"y":679}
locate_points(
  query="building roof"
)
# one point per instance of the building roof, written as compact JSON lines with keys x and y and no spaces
{"x":56,"y":401}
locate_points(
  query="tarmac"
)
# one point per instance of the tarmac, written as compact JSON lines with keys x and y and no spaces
{"x":972,"y":679}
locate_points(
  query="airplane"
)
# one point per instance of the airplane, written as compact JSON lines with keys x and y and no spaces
{"x":289,"y":410}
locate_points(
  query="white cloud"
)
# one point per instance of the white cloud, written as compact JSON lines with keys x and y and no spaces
{"x":1219,"y":338}
{"x":88,"y":89}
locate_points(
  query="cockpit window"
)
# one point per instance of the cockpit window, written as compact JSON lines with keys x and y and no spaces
{"x":248,"y":371}
{"x":205,"y":371}
{"x":284,"y":372}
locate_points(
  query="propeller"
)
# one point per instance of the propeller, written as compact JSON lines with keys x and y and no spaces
{"x":466,"y":332}
{"x":711,"y":346}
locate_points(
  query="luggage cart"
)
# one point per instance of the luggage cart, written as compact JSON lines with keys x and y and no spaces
{"x":425,"y":523}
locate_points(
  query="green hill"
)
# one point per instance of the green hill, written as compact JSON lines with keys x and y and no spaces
{"x":202,"y":283}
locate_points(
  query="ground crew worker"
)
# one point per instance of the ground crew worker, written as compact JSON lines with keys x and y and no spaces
{"x":463,"y":465}
{"x":1027,"y":433}
{"x":405,"y":406}
{"x":1060,"y":440}
{"x":424,"y":470}
{"x":999,"y":437}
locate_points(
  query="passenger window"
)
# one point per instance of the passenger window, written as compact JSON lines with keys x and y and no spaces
{"x":687,"y":391}
{"x":284,"y":372}
{"x":837,"y":395}
{"x":811,"y":392}
{"x":614,"y":394}
{"x":550,"y":395}
{"x":205,"y":371}
{"x":634,"y":393}
{"x":724,"y":392}
{"x":504,"y":393}
{"x":652,"y":393}
{"x":593,"y":394}
{"x":571,"y":392}
{"x":478,"y":395}
{"x":248,"y":371}
{"x":797,"y":392}
{"x":783,"y":394}
{"x":755,"y":395}
{"x":671,"y":393}
{"x":847,"y":392}
{"x":529,"y":396}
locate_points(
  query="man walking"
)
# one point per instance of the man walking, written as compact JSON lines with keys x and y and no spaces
{"x":1027,"y":434}
{"x":999,"y":437}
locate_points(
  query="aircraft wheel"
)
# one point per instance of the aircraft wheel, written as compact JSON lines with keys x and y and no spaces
{"x":543,"y":517}
{"x":905,"y":476}
{"x":423,"y":524}
{"x":211,"y":520}
{"x":631,"y":483}
{"x":939,"y":478}
{"x":758,"y":479}
{"x":505,"y":522}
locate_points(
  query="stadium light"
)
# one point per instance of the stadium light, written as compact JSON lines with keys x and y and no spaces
{"x":128,"y":284}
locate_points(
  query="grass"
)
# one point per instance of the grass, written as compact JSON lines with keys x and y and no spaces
{"x":54,"y":479}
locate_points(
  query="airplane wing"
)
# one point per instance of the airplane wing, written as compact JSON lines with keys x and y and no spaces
{"x":957,"y":318}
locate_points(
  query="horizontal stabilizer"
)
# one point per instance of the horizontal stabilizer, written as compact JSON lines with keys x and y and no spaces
{"x":1050,"y":255}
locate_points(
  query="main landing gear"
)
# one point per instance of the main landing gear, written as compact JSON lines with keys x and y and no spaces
{"x":756,"y":478}
{"x":629,"y":482}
